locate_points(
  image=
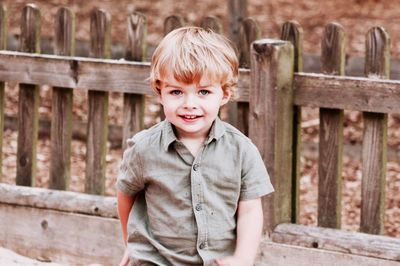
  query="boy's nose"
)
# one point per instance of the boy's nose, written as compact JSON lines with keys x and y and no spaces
{"x":190,"y":101}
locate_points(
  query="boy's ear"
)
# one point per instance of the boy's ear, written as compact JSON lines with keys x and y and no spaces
{"x":226,"y":97}
{"x":159,"y":99}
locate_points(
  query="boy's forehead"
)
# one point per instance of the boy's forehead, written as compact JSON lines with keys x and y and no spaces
{"x":205,"y":80}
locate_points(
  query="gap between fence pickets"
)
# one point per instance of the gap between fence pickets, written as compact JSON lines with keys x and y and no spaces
{"x":65,"y":201}
{"x":355,"y":243}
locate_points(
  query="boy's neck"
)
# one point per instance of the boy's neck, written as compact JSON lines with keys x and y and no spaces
{"x":193,"y":144}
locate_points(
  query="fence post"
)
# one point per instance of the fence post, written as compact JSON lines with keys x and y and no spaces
{"x":61,"y":120}
{"x":97,"y":130}
{"x":136,"y":51}
{"x":377,"y":65}
{"x":28,"y":102}
{"x":3,"y":46}
{"x":271,"y":122}
{"x":331,"y":134}
{"x":293,"y":32}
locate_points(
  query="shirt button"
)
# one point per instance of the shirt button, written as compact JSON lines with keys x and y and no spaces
{"x":202,"y":245}
{"x":198,"y":207}
{"x":196,"y":167}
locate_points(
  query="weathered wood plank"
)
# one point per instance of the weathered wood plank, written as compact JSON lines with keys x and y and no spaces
{"x":3,"y":45}
{"x":340,"y":92}
{"x":373,"y":187}
{"x":66,"y":238}
{"x":275,"y":254}
{"x":28,"y":102}
{"x":75,"y":72}
{"x":96,"y":146}
{"x":331,"y":134}
{"x":64,"y":201}
{"x":271,"y":121}
{"x":237,"y":11}
{"x":338,"y":240}
{"x":293,"y":32}
{"x":134,"y":103}
{"x":349,"y":93}
{"x":249,"y":31}
{"x":61,"y":120}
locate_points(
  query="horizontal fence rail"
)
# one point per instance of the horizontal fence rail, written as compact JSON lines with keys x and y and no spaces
{"x":313,"y":90}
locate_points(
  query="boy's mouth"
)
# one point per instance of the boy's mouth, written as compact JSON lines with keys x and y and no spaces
{"x":190,"y":117}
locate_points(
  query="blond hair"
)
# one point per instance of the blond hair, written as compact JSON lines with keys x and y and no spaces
{"x":190,"y":53}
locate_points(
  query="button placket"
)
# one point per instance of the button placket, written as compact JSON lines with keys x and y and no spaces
{"x":197,"y":201}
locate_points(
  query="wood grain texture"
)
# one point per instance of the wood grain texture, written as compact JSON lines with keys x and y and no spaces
{"x":65,"y":238}
{"x":3,"y":45}
{"x":349,"y":93}
{"x":96,"y":147}
{"x":28,"y":102}
{"x":75,"y":72}
{"x":331,"y":134}
{"x":61,"y":120}
{"x":238,"y":112}
{"x":212,"y":23}
{"x":374,"y":155}
{"x":271,"y":122}
{"x":64,"y":201}
{"x":293,"y":32}
{"x":275,"y":254}
{"x":339,"y":92}
{"x":361,"y":244}
{"x":134,"y":104}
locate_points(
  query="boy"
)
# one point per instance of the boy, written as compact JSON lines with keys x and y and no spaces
{"x":191,"y":185}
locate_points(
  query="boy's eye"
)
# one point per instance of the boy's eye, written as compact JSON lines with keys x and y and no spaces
{"x":204,"y":92}
{"x":176,"y":92}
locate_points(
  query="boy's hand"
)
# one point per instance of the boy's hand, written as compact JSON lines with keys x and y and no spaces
{"x":232,"y":261}
{"x":125,"y":259}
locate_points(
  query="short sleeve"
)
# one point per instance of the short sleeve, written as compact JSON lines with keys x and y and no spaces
{"x":255,"y":179}
{"x":130,"y":179}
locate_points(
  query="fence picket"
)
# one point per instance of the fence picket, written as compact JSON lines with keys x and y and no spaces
{"x":237,"y":11}
{"x":61,"y":120}
{"x":3,"y":46}
{"x":293,"y":32}
{"x":238,"y":112}
{"x":100,"y":40}
{"x":134,"y":104}
{"x":173,"y":22}
{"x":211,"y":22}
{"x":331,"y":133}
{"x":271,"y":121}
{"x":28,"y":102}
{"x":377,"y":65}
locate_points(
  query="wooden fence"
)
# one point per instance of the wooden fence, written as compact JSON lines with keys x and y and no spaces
{"x":268,"y":110}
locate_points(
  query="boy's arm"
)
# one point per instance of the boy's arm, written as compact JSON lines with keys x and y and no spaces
{"x":249,"y":230}
{"x":125,"y":204}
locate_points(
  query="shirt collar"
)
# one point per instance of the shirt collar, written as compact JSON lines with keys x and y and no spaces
{"x":217,"y":130}
{"x":168,"y":134}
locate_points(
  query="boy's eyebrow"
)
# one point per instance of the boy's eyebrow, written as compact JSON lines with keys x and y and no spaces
{"x":172,"y":85}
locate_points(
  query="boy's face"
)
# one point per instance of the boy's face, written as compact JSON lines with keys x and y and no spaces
{"x":191,"y":108}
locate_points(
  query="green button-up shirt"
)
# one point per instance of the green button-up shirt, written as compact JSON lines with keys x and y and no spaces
{"x":185,"y":207}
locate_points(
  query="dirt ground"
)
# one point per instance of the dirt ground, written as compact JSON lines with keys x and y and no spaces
{"x":356,"y":16}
